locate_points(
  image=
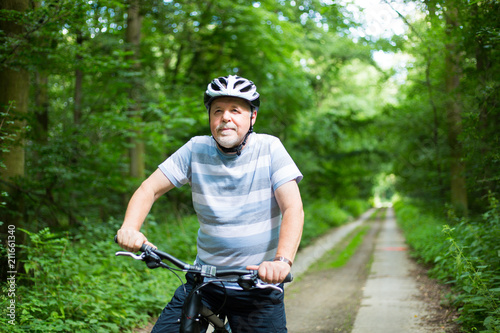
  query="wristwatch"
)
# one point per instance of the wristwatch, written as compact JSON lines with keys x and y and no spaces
{"x":284,"y":260}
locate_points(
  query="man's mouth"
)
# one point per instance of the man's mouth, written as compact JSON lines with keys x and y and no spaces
{"x":226,"y":129}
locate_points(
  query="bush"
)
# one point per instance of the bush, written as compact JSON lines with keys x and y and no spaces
{"x":466,"y":255}
{"x":355,"y":207}
{"x":78,"y":285}
{"x":321,"y":216}
{"x":419,"y":229}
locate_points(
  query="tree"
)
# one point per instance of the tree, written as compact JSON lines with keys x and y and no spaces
{"x":481,"y":97}
{"x":14,"y":88}
{"x":14,"y":92}
{"x":133,"y":39}
{"x":138,"y":80}
{"x":453,"y":76}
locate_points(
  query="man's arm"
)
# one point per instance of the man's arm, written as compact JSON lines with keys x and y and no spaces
{"x":129,"y":236}
{"x":290,"y":202}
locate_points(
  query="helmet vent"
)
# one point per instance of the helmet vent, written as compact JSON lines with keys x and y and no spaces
{"x":245,"y":89}
{"x":215,"y":87}
{"x":223,"y":81}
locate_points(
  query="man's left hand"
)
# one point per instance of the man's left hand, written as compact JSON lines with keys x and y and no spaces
{"x":272,"y":271}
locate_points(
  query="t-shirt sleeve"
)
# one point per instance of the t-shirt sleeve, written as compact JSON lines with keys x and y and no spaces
{"x":177,"y":167}
{"x":283,"y":168}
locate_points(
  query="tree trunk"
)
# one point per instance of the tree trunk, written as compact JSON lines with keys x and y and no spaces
{"x":133,"y":38}
{"x":14,"y":93}
{"x":41,"y":126}
{"x":41,"y":123}
{"x":488,"y":123}
{"x":14,"y":86}
{"x":180,"y":53}
{"x":454,"y":112}
{"x":77,"y":111}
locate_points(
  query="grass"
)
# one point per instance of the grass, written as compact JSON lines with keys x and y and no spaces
{"x":342,"y":252}
{"x":323,"y":215}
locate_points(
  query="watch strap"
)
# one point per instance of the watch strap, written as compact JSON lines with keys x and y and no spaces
{"x":279,"y":258}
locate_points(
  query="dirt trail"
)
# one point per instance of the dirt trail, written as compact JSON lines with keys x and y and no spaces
{"x":328,"y":300}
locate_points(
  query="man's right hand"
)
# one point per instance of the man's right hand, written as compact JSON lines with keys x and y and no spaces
{"x":131,"y":239}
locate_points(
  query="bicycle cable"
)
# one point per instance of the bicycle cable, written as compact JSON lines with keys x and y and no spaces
{"x":221,"y":281}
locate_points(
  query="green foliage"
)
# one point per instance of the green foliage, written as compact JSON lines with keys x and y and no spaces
{"x":417,"y":125}
{"x":177,"y":236}
{"x":466,"y":255}
{"x":298,"y":54}
{"x":79,"y":168}
{"x":419,"y":228}
{"x":340,"y":255}
{"x":336,"y":144}
{"x":7,"y":133}
{"x":78,"y":285}
{"x":355,"y":207}
{"x":321,"y":216}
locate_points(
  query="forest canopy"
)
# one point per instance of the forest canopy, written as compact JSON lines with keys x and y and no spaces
{"x":95,"y":94}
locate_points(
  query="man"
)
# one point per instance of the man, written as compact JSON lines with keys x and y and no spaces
{"x":245,"y":193}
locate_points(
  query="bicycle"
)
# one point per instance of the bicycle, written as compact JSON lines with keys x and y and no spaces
{"x":194,"y":313}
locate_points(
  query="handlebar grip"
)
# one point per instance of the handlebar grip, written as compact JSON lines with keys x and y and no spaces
{"x":145,"y":248}
{"x":289,"y":278}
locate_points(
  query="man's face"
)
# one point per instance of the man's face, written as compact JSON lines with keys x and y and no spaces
{"x":230,"y":120}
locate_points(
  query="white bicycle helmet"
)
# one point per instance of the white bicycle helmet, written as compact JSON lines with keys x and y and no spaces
{"x":235,"y":86}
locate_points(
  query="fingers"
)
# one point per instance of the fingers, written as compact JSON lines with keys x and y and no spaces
{"x":272,"y":271}
{"x":151,"y":244}
{"x":131,"y":240}
{"x":253,"y":268}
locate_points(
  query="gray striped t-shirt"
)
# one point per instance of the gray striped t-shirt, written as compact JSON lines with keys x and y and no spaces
{"x":233,"y":196}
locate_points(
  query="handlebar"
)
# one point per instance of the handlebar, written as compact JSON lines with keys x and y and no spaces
{"x":153,"y":258}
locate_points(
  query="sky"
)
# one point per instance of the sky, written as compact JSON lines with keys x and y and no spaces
{"x":380,"y":19}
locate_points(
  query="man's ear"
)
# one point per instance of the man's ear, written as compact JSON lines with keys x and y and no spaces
{"x":254,"y":117}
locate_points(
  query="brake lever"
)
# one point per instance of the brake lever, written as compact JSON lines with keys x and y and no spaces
{"x":130,"y":254}
{"x":261,"y":285}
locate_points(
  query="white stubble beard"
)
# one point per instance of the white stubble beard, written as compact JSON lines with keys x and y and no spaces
{"x":227,"y":141}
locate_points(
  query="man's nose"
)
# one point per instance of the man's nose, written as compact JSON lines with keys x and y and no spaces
{"x":226,"y":116}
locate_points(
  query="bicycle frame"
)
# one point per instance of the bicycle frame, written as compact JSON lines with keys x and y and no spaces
{"x":194,"y":311}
